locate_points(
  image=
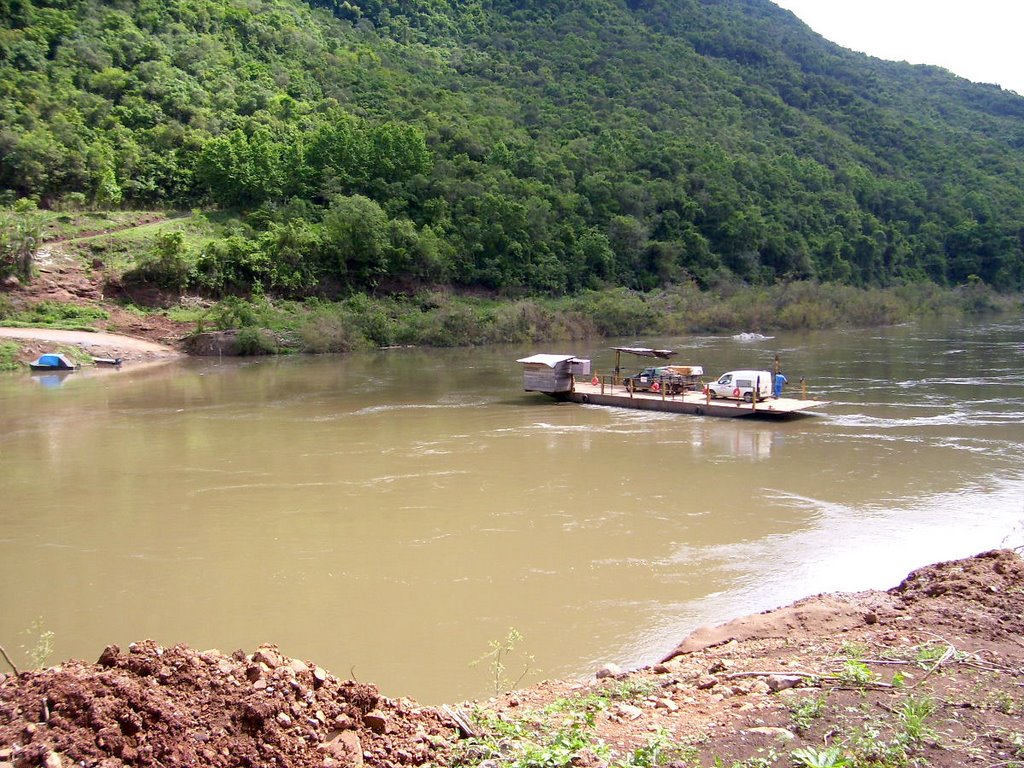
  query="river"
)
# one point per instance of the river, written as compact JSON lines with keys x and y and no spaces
{"x":391,"y":515}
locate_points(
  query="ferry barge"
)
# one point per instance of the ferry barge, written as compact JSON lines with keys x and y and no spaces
{"x":568,"y":378}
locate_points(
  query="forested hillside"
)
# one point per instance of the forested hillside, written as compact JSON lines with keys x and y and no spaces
{"x":524,"y":147}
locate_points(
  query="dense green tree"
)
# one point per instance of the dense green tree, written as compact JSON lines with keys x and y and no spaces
{"x":357,"y":237}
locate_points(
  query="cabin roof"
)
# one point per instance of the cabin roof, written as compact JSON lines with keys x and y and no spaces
{"x":549,"y":360}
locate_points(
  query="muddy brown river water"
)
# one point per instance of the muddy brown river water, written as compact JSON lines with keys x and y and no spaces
{"x":389,"y":515}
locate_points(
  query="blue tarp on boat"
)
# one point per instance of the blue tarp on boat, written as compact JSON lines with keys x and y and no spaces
{"x":52,"y":362}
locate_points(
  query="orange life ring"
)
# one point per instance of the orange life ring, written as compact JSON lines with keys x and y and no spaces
{"x":595,"y":381}
{"x":655,"y":387}
{"x":736,"y":392}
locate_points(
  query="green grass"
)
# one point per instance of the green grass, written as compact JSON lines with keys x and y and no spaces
{"x":122,"y":249}
{"x":9,"y":356}
{"x":659,"y":750}
{"x":858,"y":737}
{"x":62,"y":225}
{"x":552,"y":737}
{"x":120,"y":238}
{"x":602,"y":698}
{"x":53,"y":314}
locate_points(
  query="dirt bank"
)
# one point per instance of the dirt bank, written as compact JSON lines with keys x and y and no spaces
{"x":927,"y":673}
{"x":64,"y":278}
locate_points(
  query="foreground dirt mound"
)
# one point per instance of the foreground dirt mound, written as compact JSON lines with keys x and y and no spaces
{"x":979,"y":597}
{"x":929,"y":673}
{"x":179,"y":707}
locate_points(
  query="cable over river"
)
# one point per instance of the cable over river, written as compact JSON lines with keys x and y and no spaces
{"x":388,"y":515}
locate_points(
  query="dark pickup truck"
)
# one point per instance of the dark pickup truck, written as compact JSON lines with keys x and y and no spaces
{"x":669,"y":379}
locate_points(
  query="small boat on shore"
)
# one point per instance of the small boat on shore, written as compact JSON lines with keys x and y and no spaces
{"x":52,"y":362}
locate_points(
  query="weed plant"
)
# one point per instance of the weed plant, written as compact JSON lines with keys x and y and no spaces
{"x":807,"y":710}
{"x":42,"y":643}
{"x":875,"y":743}
{"x":659,"y":750}
{"x":856,"y":673}
{"x":498,"y":656}
{"x":812,"y":757}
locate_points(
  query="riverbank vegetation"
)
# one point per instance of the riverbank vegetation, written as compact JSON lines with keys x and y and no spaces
{"x":519,"y":149}
{"x":155,"y":263}
{"x":444,"y":320}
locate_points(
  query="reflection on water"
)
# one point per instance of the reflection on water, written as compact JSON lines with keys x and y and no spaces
{"x":388,"y":515}
{"x":50,"y":380}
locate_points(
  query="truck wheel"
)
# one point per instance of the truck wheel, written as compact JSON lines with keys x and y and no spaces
{"x":748,"y":397}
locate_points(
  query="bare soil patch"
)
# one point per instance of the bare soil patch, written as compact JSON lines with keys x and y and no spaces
{"x":65,"y":278}
{"x":928,"y":673}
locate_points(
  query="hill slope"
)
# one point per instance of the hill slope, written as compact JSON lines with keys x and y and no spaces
{"x":520,"y":146}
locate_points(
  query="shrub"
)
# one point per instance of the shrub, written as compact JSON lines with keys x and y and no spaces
{"x":234,"y":264}
{"x":9,"y":356}
{"x":324,"y":330}
{"x":372,"y":318}
{"x":874,"y":308}
{"x":620,"y":312}
{"x":72,"y":201}
{"x":256,"y":341}
{"x":807,"y":314}
{"x":976,"y":298}
{"x":19,"y":237}
{"x":232,"y":312}
{"x":455,"y":325}
{"x":168,"y":265}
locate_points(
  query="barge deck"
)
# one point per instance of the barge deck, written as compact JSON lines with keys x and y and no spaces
{"x":692,"y":403}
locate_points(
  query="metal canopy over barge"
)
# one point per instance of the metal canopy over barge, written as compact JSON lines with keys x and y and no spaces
{"x":565,"y":377}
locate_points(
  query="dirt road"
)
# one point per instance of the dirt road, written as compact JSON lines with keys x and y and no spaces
{"x":37,"y":340}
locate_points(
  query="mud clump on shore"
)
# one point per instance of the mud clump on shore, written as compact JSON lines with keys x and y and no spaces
{"x":150,"y":706}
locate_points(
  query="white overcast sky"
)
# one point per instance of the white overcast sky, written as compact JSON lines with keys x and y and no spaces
{"x":977,"y":39}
